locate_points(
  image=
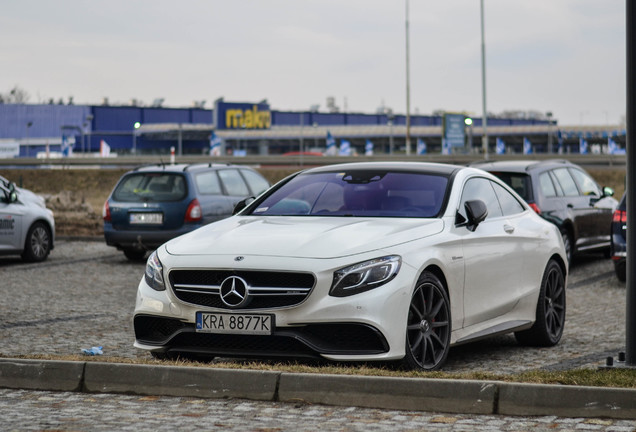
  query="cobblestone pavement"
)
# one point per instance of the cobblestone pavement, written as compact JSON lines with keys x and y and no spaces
{"x":84,"y":296}
{"x":46,"y":411}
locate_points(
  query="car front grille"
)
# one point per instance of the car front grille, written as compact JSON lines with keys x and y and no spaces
{"x":264,"y":289}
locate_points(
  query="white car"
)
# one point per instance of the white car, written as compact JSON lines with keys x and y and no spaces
{"x":27,"y":227}
{"x":359,"y":262}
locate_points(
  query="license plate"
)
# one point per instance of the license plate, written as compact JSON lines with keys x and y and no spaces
{"x":146,"y":218}
{"x":226,"y":323}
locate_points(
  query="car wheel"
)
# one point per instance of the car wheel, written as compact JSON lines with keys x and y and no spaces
{"x":567,"y":242}
{"x":621,"y":271}
{"x":135,"y":254}
{"x":428,"y":326}
{"x":37,"y":244}
{"x":550,"y":316}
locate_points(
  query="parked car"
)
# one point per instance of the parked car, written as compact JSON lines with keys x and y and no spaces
{"x":564,"y":194}
{"x":153,"y":204}
{"x":619,"y":239}
{"x":27,"y":227}
{"x":359,"y":262}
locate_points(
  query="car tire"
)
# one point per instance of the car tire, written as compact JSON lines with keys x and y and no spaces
{"x":621,"y":270}
{"x":568,"y":244}
{"x":37,"y":244}
{"x":136,"y":255}
{"x":428,"y":327}
{"x":550,"y":316}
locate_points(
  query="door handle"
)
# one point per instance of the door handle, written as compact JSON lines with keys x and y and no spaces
{"x":509,"y":228}
{"x":570,"y":205}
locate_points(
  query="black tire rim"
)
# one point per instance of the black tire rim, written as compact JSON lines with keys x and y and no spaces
{"x":428,"y":326}
{"x":554,"y":303}
{"x":39,"y":242}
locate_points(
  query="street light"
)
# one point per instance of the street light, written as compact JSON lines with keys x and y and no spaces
{"x":408,"y":86}
{"x":484,"y":138}
{"x":136,"y":126}
{"x":549,"y":115}
{"x":469,"y":122}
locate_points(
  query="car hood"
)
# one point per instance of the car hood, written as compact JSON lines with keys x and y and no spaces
{"x":301,"y":237}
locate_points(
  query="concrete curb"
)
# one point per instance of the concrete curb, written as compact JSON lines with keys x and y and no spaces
{"x":452,"y":396}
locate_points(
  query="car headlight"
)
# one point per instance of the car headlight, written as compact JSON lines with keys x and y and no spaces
{"x":364,"y":276}
{"x":154,"y":273}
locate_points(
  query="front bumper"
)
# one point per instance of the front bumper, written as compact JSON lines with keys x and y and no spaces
{"x":367,"y":326}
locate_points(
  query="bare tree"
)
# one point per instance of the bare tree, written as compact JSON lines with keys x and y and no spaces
{"x":16,"y":95}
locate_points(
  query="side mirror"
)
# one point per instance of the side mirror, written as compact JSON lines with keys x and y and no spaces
{"x":242,"y":204}
{"x":608,"y":191}
{"x":476,"y":211}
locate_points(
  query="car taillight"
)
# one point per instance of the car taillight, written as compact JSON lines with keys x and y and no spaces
{"x":106,"y":212}
{"x":620,"y":216}
{"x":194,"y":213}
{"x":535,"y":207}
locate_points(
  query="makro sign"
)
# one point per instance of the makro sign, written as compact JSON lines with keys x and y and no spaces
{"x":228,"y":115}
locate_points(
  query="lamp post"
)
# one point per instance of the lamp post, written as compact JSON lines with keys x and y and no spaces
{"x":28,"y":126}
{"x":469,"y":122}
{"x":484,"y":138}
{"x":408,"y":86}
{"x":136,"y":126}
{"x":549,"y":115}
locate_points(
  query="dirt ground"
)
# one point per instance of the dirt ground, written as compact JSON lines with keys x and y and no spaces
{"x":78,"y":195}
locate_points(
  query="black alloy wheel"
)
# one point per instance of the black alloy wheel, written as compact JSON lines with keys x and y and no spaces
{"x":428,"y":327}
{"x":550,"y":317}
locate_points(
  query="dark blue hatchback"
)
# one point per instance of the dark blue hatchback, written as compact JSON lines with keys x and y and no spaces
{"x":153,"y":204}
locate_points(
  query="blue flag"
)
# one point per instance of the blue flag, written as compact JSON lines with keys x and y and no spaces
{"x":446,"y":150}
{"x":421,"y":146}
{"x":582,"y":146}
{"x":67,"y":148}
{"x":613,"y":148}
{"x":331,"y":145}
{"x":368,"y":148}
{"x":500,"y":147}
{"x":345,"y":148}
{"x":215,"y":144}
{"x":560,"y":142}
{"x":527,"y":146}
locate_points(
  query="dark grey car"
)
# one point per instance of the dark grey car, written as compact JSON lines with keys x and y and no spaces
{"x":564,"y":194}
{"x":153,"y":204}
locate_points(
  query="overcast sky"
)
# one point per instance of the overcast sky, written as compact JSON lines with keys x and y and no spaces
{"x":563,"y":56}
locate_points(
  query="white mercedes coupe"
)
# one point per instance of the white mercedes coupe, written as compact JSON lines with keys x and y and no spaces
{"x":394,"y":261}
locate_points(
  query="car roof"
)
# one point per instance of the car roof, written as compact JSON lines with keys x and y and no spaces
{"x":445,"y":169}
{"x":182,"y":167}
{"x":521,"y":166}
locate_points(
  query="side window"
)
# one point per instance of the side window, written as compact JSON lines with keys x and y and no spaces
{"x":566,"y":181}
{"x":208,"y":183}
{"x":587,"y":185}
{"x":481,"y":189}
{"x":509,"y":204}
{"x":233,"y":182}
{"x":257,"y":183}
{"x":547,"y":187}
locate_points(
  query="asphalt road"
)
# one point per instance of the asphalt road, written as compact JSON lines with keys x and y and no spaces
{"x":84,"y":296}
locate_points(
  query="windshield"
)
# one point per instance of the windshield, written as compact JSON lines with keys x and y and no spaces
{"x":358,"y":193}
{"x":140,"y":187}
